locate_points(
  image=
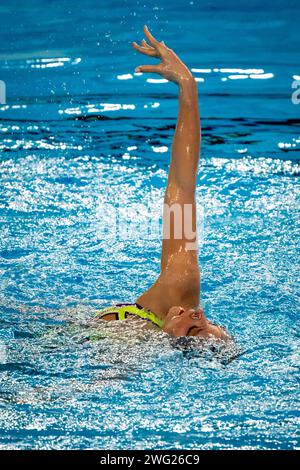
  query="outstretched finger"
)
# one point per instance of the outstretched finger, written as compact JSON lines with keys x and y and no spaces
{"x":145,"y":50}
{"x":145,"y":44}
{"x":149,"y":68}
{"x":154,"y":43}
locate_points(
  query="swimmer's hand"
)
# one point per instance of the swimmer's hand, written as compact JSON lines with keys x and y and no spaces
{"x":170,"y":66}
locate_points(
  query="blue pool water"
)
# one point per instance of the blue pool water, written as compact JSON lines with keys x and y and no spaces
{"x":80,"y":133}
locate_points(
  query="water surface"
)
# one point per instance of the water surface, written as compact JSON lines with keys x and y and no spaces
{"x":81,"y":132}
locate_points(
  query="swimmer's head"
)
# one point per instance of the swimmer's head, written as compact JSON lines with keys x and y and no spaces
{"x":192,"y":322}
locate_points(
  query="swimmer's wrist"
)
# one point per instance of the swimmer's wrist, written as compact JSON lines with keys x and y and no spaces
{"x":188,"y":90}
{"x":187,"y":82}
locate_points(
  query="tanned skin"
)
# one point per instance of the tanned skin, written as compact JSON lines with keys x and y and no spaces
{"x":175,"y":295}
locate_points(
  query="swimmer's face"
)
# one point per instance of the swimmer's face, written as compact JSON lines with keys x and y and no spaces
{"x":192,"y":322}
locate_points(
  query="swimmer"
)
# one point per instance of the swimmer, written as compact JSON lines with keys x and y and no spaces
{"x":172,"y":303}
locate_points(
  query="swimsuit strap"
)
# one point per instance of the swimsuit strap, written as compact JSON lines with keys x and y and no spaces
{"x":122,"y":311}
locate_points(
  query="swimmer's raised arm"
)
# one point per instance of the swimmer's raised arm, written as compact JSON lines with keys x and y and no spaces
{"x":186,"y":142}
{"x":172,"y":302}
{"x":179,"y":262}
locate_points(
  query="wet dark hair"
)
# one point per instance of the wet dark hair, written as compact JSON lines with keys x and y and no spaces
{"x":196,"y":347}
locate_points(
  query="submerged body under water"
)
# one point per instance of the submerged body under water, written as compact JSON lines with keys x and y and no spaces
{"x":85,"y":143}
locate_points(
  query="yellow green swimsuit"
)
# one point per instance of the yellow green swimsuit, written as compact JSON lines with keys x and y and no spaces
{"x":123,"y":311}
